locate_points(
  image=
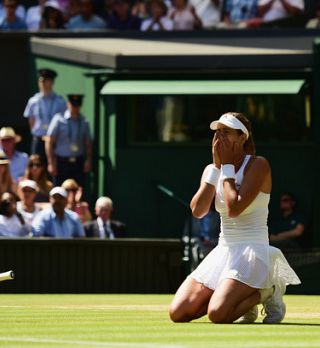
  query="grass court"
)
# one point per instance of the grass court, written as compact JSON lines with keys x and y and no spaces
{"x":141,"y":321}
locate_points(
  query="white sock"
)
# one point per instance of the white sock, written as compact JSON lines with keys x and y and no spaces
{"x":265,"y":294}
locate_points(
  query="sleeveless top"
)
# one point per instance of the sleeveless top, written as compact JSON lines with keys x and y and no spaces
{"x":251,"y":225}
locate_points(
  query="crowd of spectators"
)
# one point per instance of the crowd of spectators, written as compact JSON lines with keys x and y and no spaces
{"x":153,"y":15}
{"x":41,"y":194}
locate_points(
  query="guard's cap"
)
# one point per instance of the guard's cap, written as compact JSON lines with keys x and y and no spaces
{"x":58,"y":190}
{"x":230,"y":121}
{"x":75,"y":99}
{"x":47,"y":74}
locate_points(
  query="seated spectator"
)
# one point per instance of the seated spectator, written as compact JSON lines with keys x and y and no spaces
{"x":37,"y":171}
{"x":86,"y":19}
{"x":104,"y":227}
{"x":122,"y":19}
{"x":57,"y":221}
{"x":73,"y":9}
{"x":204,"y":237}
{"x":238,"y":12}
{"x":27,"y":191}
{"x":18,"y":160}
{"x":184,"y":16}
{"x":74,"y":202}
{"x":20,"y":11}
{"x":12,"y":223}
{"x":286,"y":231}
{"x":52,"y":17}
{"x":157,"y":21}
{"x":271,"y":10}
{"x":138,"y":9}
{"x":6,"y":182}
{"x":11,"y":21}
{"x":34,"y":15}
{"x":209,"y":12}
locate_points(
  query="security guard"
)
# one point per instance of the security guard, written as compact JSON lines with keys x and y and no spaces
{"x":68,"y":144}
{"x":41,"y":108}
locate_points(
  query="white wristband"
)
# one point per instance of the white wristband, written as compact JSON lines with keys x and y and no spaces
{"x":212,"y":176}
{"x":228,"y":171}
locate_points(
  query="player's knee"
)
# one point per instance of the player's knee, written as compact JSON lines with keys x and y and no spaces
{"x":218,"y":314}
{"x":177,"y":315}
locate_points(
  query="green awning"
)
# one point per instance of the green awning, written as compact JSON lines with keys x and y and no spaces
{"x":182,"y":87}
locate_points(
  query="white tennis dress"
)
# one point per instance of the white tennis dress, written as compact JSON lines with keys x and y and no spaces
{"x":243,"y":252}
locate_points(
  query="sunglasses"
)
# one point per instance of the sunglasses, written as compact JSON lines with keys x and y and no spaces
{"x":71,"y":190}
{"x":28,"y":190}
{"x":37,"y":165}
{"x":285,"y":200}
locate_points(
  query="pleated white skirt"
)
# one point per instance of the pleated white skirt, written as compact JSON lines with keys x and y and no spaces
{"x":257,"y":265}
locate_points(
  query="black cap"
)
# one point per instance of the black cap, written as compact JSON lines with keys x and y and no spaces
{"x":47,"y":74}
{"x":75,"y":99}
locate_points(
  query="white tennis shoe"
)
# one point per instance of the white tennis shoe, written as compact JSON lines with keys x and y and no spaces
{"x":274,"y":307}
{"x":249,"y":317}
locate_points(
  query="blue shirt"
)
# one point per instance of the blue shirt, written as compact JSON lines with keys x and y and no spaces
{"x":70,"y":134}
{"x":18,"y":164}
{"x":42,"y":109}
{"x":47,"y":224}
{"x":78,"y":22}
{"x":240,"y":10}
{"x":18,"y":24}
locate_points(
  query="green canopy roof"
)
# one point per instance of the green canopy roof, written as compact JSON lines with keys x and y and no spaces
{"x":182,"y":87}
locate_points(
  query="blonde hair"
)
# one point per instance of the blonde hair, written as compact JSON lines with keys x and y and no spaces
{"x":70,"y":183}
{"x":104,"y":202}
{"x":6,"y":181}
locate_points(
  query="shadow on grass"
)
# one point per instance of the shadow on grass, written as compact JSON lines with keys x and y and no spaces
{"x":239,"y":324}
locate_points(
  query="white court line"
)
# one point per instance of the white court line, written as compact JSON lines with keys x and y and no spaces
{"x":89,"y":343}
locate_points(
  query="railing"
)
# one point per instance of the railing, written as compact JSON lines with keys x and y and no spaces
{"x":91,"y":265}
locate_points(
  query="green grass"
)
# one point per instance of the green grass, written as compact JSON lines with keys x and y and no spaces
{"x":135,"y":321}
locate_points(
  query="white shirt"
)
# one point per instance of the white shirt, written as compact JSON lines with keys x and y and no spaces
{"x":207,"y":11}
{"x":102,"y":232}
{"x":28,"y":217}
{"x":12,"y":227}
{"x":33,"y":17}
{"x":182,"y":19}
{"x":277,"y":10}
{"x":166,"y":23}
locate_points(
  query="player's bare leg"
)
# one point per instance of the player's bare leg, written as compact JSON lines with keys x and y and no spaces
{"x":190,"y":302}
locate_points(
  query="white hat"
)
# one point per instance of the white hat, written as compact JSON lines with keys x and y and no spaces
{"x":8,"y":133}
{"x":28,"y":183}
{"x":58,"y":190}
{"x":230,"y":121}
{"x":53,"y":4}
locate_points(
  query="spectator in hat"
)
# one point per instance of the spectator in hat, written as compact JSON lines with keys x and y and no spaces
{"x":104,"y":227}
{"x":27,"y":207}
{"x":122,"y":19}
{"x":74,"y":200}
{"x":52,"y":17}
{"x":18,"y":160}
{"x":57,"y":221}
{"x":41,"y":108}
{"x":86,"y":19}
{"x":69,"y":145}
{"x":11,"y":21}
{"x":12,"y":223}
{"x":37,"y":171}
{"x":157,"y":20}
{"x":6,"y":182}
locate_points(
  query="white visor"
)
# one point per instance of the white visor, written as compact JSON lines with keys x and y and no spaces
{"x":231,"y":122}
